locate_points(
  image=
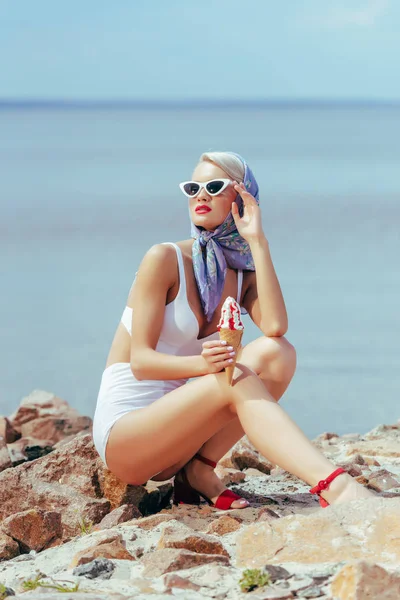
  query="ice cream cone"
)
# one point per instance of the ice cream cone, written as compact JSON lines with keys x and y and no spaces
{"x":232,"y":337}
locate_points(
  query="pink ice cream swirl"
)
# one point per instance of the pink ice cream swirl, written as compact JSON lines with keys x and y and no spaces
{"x":230,"y":315}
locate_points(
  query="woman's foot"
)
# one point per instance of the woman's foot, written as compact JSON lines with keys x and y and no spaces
{"x":203,"y":479}
{"x":345,"y":488}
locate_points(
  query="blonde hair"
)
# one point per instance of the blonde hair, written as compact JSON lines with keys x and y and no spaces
{"x":231,"y":164}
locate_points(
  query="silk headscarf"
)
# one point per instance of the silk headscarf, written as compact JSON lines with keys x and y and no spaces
{"x":214,"y":251}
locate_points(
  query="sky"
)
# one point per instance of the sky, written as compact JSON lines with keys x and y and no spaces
{"x":199,"y":49}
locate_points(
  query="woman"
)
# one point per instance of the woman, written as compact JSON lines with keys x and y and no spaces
{"x":150,"y":422}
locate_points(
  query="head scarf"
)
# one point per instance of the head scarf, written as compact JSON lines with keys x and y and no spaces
{"x":214,"y":251}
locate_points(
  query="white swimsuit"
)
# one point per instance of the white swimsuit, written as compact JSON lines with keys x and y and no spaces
{"x":120,"y":392}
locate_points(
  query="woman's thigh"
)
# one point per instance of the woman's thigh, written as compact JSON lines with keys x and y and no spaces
{"x":170,"y":430}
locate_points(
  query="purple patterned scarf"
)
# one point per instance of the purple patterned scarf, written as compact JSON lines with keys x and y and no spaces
{"x":224,"y":248}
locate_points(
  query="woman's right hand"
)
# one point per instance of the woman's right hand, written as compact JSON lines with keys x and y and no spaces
{"x":216,"y":356}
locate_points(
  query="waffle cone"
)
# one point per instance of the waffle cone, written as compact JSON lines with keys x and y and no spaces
{"x":232,"y":337}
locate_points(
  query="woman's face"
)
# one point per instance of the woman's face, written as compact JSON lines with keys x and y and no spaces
{"x":219,"y":206}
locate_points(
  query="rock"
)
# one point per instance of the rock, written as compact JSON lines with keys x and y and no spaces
{"x":244,"y":456}
{"x":226,"y":460}
{"x":153,"y":521}
{"x":66,"y":480}
{"x":7,"y":432}
{"x":382,"y":480}
{"x":276,"y":572}
{"x":158,"y":496}
{"x":254,"y":473}
{"x":55,"y":428}
{"x":362,"y":580}
{"x":310,"y":592}
{"x":332,"y":438}
{"x":6,"y":591}
{"x":178,"y":535}
{"x":27,"y":448}
{"x":272,"y":593}
{"x":40,"y":404}
{"x":224,"y":525}
{"x":119,"y":515}
{"x":149,"y":499}
{"x":229,"y":476}
{"x":101,"y":568}
{"x":169,"y":559}
{"x":33,"y":529}
{"x":8,"y":547}
{"x":367,"y":528}
{"x":266,"y":514}
{"x":351,"y":468}
{"x":113,"y":549}
{"x":385,"y":447}
{"x":5,"y":459}
{"x":173,"y":580}
{"x":73,"y":481}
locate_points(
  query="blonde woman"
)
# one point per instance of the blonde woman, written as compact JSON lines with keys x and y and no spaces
{"x":150,"y":421}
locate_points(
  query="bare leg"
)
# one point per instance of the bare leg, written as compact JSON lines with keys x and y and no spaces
{"x":274,"y":361}
{"x":170,"y":430}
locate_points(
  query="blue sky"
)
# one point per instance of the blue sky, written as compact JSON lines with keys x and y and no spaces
{"x":199,"y":49}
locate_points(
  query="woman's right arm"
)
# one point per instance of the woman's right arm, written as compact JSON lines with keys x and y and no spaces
{"x":155,"y":277}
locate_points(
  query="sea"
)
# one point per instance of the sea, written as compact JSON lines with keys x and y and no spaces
{"x":86,"y":190}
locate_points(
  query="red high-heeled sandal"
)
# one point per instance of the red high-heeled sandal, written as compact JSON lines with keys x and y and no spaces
{"x":184,"y":493}
{"x":324,"y":484}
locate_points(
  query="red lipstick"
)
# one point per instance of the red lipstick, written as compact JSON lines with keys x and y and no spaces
{"x":203,"y":208}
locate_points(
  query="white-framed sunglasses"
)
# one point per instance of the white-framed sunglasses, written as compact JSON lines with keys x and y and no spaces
{"x":212,"y":187}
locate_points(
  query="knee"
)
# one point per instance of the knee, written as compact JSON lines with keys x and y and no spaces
{"x":279,"y":356}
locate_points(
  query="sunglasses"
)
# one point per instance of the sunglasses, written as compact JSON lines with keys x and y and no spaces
{"x":212,"y":187}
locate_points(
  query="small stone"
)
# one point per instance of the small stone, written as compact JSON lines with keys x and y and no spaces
{"x":229,"y":476}
{"x":164,"y":561}
{"x":34,"y":529}
{"x":223,"y":525}
{"x":244,"y":455}
{"x":310,"y":592}
{"x":266,"y":514}
{"x":275,"y":572}
{"x":123,"y":513}
{"x":180,"y":536}
{"x":173,"y":580}
{"x":152,"y":521}
{"x":9,"y":548}
{"x":8,"y":434}
{"x":5,"y":459}
{"x":382,"y":480}
{"x":115,"y":549}
{"x":249,"y":473}
{"x":99,"y":567}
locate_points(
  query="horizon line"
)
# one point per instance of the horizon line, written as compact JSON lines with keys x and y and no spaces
{"x":193,"y":103}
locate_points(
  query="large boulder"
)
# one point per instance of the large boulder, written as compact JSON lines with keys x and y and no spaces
{"x":368,"y":529}
{"x":74,"y":482}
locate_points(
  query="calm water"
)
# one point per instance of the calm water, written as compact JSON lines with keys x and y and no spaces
{"x":85,"y":193}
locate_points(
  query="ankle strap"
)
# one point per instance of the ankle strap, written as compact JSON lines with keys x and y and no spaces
{"x":206,"y":461}
{"x":324,"y":484}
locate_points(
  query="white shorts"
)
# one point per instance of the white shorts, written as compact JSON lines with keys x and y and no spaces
{"x":120,"y":393}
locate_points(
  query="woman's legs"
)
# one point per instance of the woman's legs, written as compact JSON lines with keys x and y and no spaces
{"x":170,"y":430}
{"x":274,"y":361}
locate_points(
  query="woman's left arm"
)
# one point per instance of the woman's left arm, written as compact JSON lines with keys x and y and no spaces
{"x":263,"y":299}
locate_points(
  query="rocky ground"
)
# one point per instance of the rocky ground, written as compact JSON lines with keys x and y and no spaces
{"x":66,"y":523}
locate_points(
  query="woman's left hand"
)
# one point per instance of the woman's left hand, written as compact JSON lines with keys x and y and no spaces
{"x":249,"y":226}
